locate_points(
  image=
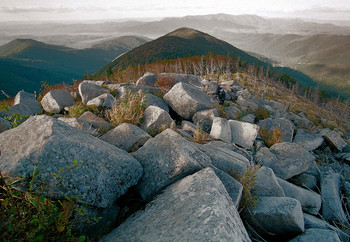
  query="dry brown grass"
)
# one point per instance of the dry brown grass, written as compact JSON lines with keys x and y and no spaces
{"x":200,"y":136}
{"x":129,"y":109}
{"x":271,"y":137}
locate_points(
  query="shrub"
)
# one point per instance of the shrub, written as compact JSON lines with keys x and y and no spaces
{"x":5,"y":104}
{"x":78,"y":109}
{"x":271,"y":137}
{"x":129,"y":109}
{"x":261,"y":113}
{"x":199,"y":135}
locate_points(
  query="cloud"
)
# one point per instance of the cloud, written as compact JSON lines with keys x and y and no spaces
{"x":17,"y":10}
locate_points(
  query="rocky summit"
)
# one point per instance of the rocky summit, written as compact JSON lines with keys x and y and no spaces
{"x":199,"y":160}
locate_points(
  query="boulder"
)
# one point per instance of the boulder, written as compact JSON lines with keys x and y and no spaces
{"x":232,"y":112}
{"x":89,"y":91}
{"x":54,"y":101}
{"x":233,"y":187}
{"x":127,"y":137}
{"x":243,"y":134}
{"x":280,"y":216}
{"x":152,"y":100}
{"x":79,"y":161}
{"x":145,"y":89}
{"x":246,"y":104}
{"x":232,"y":150}
{"x":301,"y":122}
{"x":168,"y":80}
{"x":81,"y":125}
{"x":333,"y":138}
{"x":188,"y":126}
{"x":148,"y":79}
{"x":309,"y":140}
{"x":267,"y":184}
{"x":234,"y":164}
{"x":167,"y":158}
{"x":4,"y":125}
{"x":104,"y":100}
{"x":314,"y":222}
{"x":96,"y":122}
{"x":221,"y":130}
{"x":310,"y":201}
{"x":317,"y":235}
{"x":186,"y":100}
{"x":212,"y":88}
{"x":284,"y":125}
{"x":155,"y":118}
{"x":205,"y":119}
{"x":25,"y":104}
{"x":250,"y":118}
{"x":305,"y":180}
{"x":285,"y":159}
{"x":330,"y":191}
{"x":197,"y":208}
{"x":347,"y":193}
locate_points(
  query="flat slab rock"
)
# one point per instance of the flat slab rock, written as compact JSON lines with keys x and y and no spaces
{"x":196,"y":208}
{"x":285,"y":159}
{"x":333,"y":138}
{"x":103,"y":173}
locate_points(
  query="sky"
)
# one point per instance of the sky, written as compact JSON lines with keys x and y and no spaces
{"x":71,"y":10}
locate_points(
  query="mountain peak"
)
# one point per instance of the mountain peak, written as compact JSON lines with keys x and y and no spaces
{"x":186,"y":33}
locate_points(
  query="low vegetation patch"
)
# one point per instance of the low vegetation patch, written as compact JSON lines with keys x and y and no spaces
{"x":199,"y":136}
{"x":28,"y":216}
{"x":261,"y":113}
{"x":16,"y":119}
{"x":129,"y":109}
{"x":78,"y":109}
{"x":271,"y":137}
{"x":248,"y":181}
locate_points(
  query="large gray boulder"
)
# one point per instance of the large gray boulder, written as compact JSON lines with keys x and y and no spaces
{"x":205,"y":118}
{"x":148,"y":79}
{"x":4,"y":125}
{"x":96,"y":122}
{"x":197,"y":208}
{"x":276,"y":215}
{"x":305,"y":180}
{"x":186,"y":100}
{"x":104,"y":100}
{"x":167,"y":158}
{"x":310,"y":201}
{"x":267,"y":184}
{"x":314,"y":222}
{"x":54,"y":101}
{"x":127,"y":137}
{"x":152,"y":100}
{"x":317,"y":235}
{"x":243,"y":133}
{"x":330,"y":191}
{"x":246,"y":104}
{"x":285,"y":159}
{"x":221,"y":130}
{"x":155,"y":119}
{"x":285,"y":126}
{"x":79,"y":161}
{"x":333,"y":138}
{"x":25,"y":104}
{"x":309,"y":140}
{"x":89,"y":91}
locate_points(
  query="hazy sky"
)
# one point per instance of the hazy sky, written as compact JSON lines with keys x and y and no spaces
{"x":31,"y":10}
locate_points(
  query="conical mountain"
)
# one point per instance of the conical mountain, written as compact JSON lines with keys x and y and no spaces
{"x":180,"y":43}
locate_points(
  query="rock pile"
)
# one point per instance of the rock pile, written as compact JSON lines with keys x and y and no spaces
{"x":190,"y":191}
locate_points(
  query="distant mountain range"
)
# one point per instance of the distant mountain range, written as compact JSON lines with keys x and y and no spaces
{"x":320,"y":50}
{"x":25,"y":63}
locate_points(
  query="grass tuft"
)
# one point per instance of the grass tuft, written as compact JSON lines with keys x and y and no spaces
{"x":271,"y":137}
{"x":199,"y":135}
